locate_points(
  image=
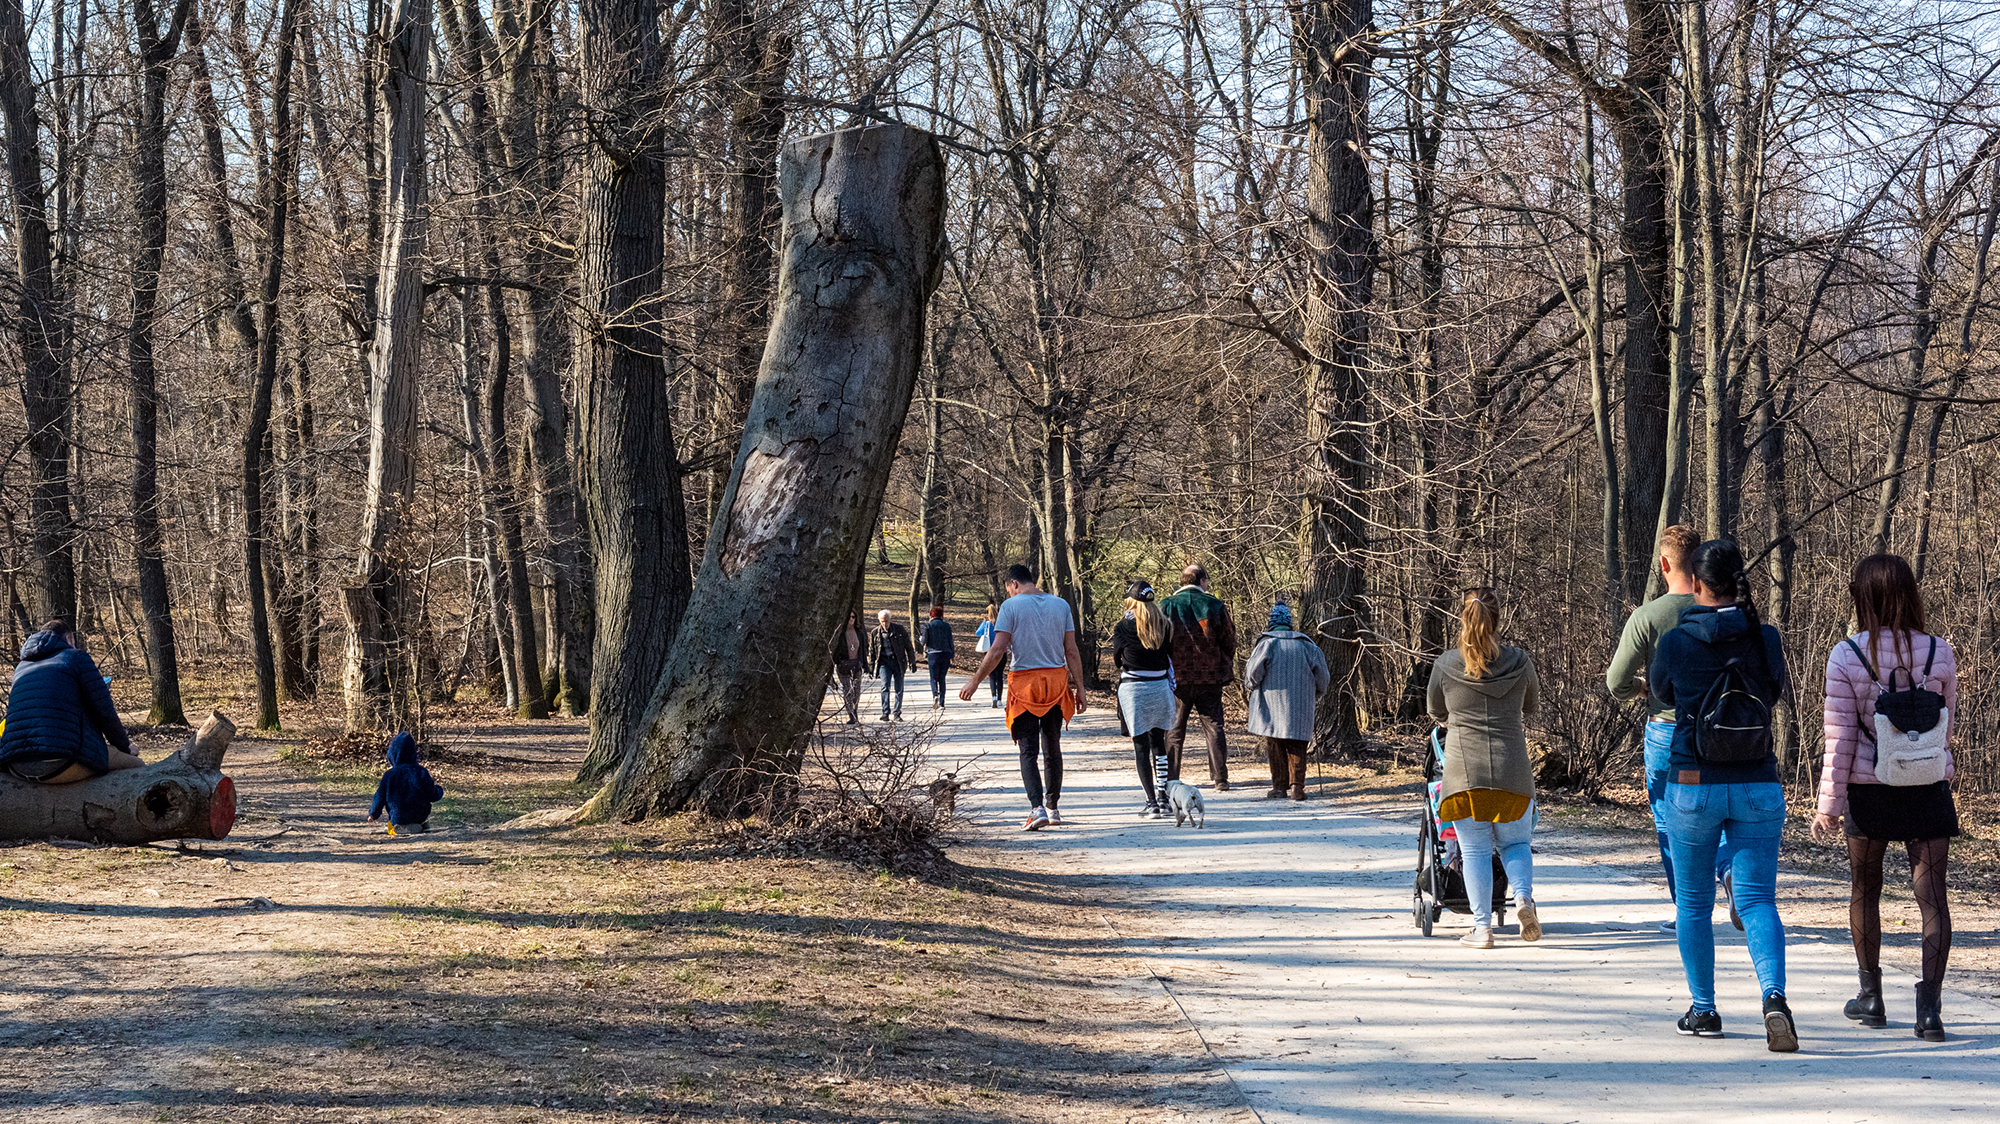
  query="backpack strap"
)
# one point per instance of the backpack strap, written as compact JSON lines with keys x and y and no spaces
{"x":1865,"y":665}
{"x":1930,"y":659}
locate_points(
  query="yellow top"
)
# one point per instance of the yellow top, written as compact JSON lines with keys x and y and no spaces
{"x":1491,"y":805}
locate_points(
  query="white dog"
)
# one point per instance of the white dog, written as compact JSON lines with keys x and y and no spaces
{"x":1185,"y":800}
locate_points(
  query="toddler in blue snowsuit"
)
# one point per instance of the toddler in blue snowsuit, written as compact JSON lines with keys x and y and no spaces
{"x":406,"y":790}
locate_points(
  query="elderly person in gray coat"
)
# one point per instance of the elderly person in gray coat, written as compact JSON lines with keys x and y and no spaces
{"x":1287,"y":674}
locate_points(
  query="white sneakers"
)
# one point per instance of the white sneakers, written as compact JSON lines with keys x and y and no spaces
{"x":1037,"y":820}
{"x":1055,"y":817}
{"x":1478,"y":938}
{"x":1531,"y":925}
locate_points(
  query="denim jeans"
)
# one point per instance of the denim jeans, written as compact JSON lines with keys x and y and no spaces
{"x":1659,"y":758}
{"x":1477,"y":840}
{"x":892,"y":679}
{"x":940,"y":663}
{"x":1753,"y":815}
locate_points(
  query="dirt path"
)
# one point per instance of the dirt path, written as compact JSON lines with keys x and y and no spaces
{"x":311,"y":968}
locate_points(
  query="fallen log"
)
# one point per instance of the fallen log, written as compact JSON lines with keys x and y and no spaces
{"x":185,"y":796}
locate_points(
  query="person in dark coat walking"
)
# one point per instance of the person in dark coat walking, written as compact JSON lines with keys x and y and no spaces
{"x":850,"y":664}
{"x":1204,"y":663}
{"x":890,"y":655}
{"x":938,"y":652}
{"x":61,"y":724}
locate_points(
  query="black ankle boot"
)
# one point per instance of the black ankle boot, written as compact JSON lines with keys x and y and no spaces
{"x":1866,"y":1007}
{"x":1930,"y":1010}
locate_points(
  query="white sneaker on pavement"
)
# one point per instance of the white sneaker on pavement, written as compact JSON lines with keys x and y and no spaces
{"x":1037,"y":820}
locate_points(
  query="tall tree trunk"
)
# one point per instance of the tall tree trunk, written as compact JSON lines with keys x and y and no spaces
{"x":862,"y":252}
{"x":39,"y":329}
{"x":157,"y":48}
{"x":377,"y":678}
{"x":1961,"y":369}
{"x":1720,"y":438}
{"x":631,"y":475}
{"x":1335,"y":45}
{"x":257,"y":430}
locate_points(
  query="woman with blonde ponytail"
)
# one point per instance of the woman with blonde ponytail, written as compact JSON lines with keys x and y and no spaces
{"x":1142,"y":648}
{"x":1479,"y":693}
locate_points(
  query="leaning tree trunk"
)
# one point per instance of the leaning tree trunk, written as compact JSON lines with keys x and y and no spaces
{"x":377,"y":684}
{"x":183,"y":797}
{"x":863,"y":220}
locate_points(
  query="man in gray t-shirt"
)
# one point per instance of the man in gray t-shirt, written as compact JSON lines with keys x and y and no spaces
{"x":1045,"y":688}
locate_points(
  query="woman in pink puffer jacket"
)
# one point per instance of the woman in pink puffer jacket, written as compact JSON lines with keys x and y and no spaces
{"x":1892,"y":642}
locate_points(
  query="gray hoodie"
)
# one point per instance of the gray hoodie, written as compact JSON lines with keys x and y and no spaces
{"x":1485,"y":743}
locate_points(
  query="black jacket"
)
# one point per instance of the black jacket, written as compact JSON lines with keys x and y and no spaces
{"x":1128,"y":654}
{"x":890,"y":646}
{"x":937,"y":637}
{"x":407,"y":789}
{"x":837,"y":649}
{"x":60,"y":709}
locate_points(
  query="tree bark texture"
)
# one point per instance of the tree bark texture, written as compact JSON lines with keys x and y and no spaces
{"x":861,"y":253}
{"x":45,"y":395}
{"x":185,"y":796}
{"x":376,"y":679}
{"x":1334,"y":42}
{"x":631,"y":479}
{"x":257,"y":430}
{"x":157,"y":48}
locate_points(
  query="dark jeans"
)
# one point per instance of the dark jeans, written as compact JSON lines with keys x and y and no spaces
{"x":1040,"y":735}
{"x":1205,"y":702}
{"x":892,"y":679}
{"x":997,"y":680}
{"x":1149,"y":754}
{"x":940,"y":666}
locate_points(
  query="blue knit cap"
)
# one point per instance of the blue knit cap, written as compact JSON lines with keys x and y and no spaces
{"x":1281,"y":618}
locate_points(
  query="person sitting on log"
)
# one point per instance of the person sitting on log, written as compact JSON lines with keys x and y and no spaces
{"x":61,"y":726}
{"x":406,"y":790}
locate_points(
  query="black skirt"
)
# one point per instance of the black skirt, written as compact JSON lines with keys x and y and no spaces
{"x":1901,"y":813}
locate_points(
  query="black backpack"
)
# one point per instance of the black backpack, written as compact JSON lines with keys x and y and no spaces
{"x":1733,"y":726}
{"x":1913,"y":710}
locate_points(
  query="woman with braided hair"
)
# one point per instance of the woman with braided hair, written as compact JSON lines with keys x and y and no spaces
{"x":1722,"y":669}
{"x":1891,"y":649}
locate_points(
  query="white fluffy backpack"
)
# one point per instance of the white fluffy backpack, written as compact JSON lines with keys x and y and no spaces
{"x":1911,"y":727}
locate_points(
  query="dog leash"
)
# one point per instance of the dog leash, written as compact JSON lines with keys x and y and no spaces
{"x":1192,"y":1025}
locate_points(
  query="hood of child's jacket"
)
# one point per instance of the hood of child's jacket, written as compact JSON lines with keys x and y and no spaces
{"x":42,"y":645}
{"x":402,"y":750}
{"x":1285,"y":634}
{"x":1501,"y":675}
{"x":1715,"y":624}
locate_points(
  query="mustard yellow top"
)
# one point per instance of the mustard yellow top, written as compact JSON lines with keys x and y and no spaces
{"x":1490,"y":805}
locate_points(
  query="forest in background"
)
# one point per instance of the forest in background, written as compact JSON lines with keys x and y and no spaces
{"x":404,"y":348}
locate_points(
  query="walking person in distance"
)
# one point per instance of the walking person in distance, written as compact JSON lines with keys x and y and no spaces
{"x":1287,"y":674}
{"x":1204,"y":663}
{"x":1044,"y":689}
{"x":1626,"y":679}
{"x":1480,"y":692}
{"x":1142,"y":650}
{"x":1891,"y":694}
{"x":938,"y":652}
{"x":1722,"y":669}
{"x":850,"y":664}
{"x":890,"y":654}
{"x":985,"y":644}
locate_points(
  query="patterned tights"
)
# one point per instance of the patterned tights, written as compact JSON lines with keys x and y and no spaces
{"x":1864,"y":904}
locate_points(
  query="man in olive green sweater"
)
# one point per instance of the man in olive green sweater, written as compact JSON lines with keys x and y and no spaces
{"x":1627,"y":680}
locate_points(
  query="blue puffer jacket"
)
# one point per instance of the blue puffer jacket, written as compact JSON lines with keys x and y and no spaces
{"x":60,"y":709}
{"x":407,"y":788}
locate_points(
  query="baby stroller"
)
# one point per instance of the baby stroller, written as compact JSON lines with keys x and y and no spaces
{"x":1440,"y":868}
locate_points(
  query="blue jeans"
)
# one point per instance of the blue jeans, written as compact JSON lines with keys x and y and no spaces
{"x":1753,"y":815}
{"x":1659,"y":758}
{"x":940,"y":666}
{"x":1477,"y":840}
{"x":892,"y":679}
